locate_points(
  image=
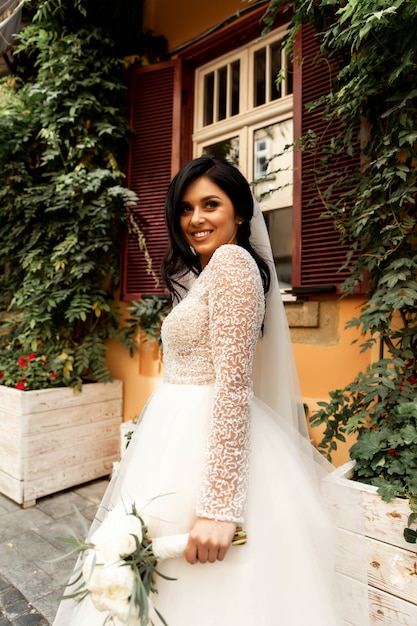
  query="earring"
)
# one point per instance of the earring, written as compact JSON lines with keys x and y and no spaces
{"x":240,"y":222}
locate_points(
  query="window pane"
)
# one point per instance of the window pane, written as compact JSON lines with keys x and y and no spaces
{"x":226,"y":149}
{"x":235,"y":86}
{"x":259,"y":77}
{"x":222,"y":93}
{"x":279,"y":224}
{"x":273,"y":164}
{"x":261,"y":156}
{"x":275,"y":65}
{"x":208,"y":99}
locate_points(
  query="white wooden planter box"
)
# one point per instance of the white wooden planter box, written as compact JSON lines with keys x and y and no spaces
{"x":53,"y":439}
{"x":390,"y":560}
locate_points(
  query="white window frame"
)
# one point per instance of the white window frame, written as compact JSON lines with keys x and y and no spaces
{"x":249,"y":117}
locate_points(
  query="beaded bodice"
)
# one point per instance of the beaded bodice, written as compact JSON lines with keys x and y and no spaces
{"x":210,"y":338}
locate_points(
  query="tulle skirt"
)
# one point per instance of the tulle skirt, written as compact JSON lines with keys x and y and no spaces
{"x":282,"y":576}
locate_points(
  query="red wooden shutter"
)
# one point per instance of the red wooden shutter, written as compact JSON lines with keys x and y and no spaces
{"x":318,"y":254}
{"x":153,"y":159}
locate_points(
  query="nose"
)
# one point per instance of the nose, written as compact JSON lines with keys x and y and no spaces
{"x":197,"y":216}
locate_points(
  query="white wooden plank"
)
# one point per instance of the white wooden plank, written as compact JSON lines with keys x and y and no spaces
{"x":388,"y":610}
{"x":353,"y":599}
{"x":69,"y":438}
{"x":385,"y":520}
{"x":11,"y":464}
{"x":24,"y":402}
{"x":10,"y":444}
{"x":383,"y":608}
{"x":8,"y":421}
{"x":46,"y":421}
{"x":11,"y":487}
{"x":78,"y":456}
{"x":389,"y":568}
{"x":64,"y":478}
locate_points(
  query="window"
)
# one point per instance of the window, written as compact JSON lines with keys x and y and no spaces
{"x":244,"y":115}
{"x":221,"y":93}
{"x":219,"y":99}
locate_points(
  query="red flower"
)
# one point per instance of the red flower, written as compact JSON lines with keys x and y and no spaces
{"x":31,"y":357}
{"x":20,"y":385}
{"x":53,"y":374}
{"x":22,"y":361}
{"x":410,"y":379}
{"x":1,"y":374}
{"x":392,"y":452}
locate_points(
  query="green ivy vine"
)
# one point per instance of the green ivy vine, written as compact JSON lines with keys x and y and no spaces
{"x":374,"y":96}
{"x":62,"y":194}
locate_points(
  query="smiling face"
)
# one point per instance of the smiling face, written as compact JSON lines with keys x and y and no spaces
{"x":208,"y":218}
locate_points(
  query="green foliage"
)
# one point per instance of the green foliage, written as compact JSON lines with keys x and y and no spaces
{"x":147,"y":316}
{"x":373,"y":95}
{"x":62,"y":199}
{"x":387,"y":457}
{"x":34,"y":371}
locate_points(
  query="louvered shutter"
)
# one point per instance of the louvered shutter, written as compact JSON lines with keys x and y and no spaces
{"x":318,"y":254}
{"x":153,"y":160}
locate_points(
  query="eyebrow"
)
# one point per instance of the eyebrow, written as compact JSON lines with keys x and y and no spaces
{"x":210,"y":197}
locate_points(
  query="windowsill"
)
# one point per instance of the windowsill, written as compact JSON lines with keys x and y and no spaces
{"x":287,"y":297}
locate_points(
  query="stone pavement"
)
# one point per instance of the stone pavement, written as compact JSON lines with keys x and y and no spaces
{"x":31,"y":579}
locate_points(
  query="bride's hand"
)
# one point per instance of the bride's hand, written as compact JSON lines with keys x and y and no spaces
{"x":209,"y":540}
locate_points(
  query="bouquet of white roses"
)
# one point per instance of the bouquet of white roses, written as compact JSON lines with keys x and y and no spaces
{"x":119,"y":566}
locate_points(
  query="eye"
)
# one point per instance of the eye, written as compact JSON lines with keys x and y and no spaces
{"x":184,"y":208}
{"x":211,"y":204}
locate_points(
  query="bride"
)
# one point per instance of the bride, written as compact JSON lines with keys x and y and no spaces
{"x":208,"y":454}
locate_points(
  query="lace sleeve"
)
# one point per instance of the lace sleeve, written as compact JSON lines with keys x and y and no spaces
{"x":236,"y":307}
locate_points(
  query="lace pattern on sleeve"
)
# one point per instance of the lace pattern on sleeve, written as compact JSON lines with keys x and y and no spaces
{"x":236,"y":308}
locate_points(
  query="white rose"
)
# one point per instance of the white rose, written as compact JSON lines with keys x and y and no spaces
{"x":99,"y":601}
{"x":91,"y":570}
{"x":117,"y":580}
{"x":118,"y":609}
{"x":114,"y":538}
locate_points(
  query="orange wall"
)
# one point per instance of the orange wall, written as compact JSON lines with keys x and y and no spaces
{"x":321,"y":368}
{"x":326,"y":368}
{"x":181,"y":21}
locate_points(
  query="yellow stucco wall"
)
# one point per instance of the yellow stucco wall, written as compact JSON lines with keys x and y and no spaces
{"x":330,"y":364}
{"x":182,"y":20}
{"x":325,"y":355}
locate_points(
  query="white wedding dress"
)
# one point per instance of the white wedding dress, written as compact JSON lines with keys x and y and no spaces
{"x":205,"y":446}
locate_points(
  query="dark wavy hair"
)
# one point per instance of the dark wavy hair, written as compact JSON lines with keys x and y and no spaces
{"x":180,"y":258}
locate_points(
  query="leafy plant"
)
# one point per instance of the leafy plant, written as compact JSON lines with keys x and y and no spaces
{"x":34,"y":371}
{"x":62,"y":198}
{"x":372,"y":45}
{"x":387,"y":457}
{"x":148,"y":314}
